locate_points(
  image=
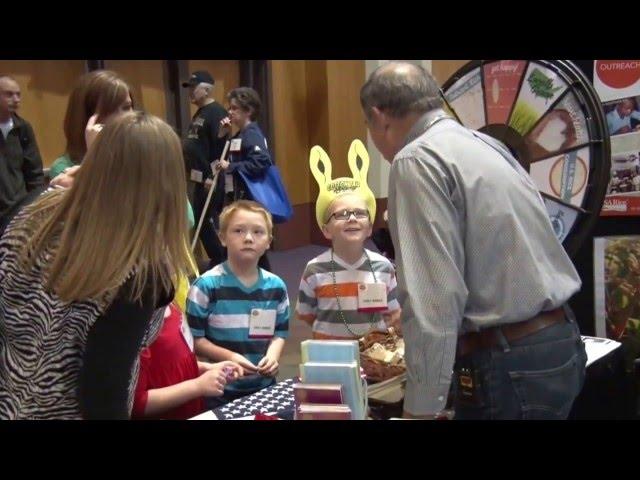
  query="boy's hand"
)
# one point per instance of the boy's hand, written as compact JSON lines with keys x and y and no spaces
{"x":268,"y":366}
{"x":394,"y":321}
{"x":246,"y":365}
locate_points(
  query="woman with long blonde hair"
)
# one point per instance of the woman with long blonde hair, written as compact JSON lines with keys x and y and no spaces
{"x":85,"y":274}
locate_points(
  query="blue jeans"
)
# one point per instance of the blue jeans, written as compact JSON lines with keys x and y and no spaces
{"x":534,"y":378}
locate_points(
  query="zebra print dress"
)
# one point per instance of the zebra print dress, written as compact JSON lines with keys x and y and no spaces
{"x":42,"y":339}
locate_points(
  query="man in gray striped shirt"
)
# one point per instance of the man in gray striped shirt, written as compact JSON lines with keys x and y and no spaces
{"x":482,"y":280}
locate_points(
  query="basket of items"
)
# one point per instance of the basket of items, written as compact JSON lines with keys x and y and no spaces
{"x":382,"y":355}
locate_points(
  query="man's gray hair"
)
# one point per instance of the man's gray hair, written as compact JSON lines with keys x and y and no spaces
{"x":208,"y":87}
{"x":399,"y":89}
{"x":2,"y":75}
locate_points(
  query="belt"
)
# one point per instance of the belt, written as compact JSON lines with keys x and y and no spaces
{"x":489,"y":337}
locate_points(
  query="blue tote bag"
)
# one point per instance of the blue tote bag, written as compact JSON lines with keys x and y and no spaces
{"x":270,"y":192}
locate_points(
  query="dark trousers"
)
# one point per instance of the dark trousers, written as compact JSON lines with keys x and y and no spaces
{"x":208,"y":235}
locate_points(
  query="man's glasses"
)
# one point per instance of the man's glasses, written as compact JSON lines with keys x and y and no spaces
{"x":359,"y":213}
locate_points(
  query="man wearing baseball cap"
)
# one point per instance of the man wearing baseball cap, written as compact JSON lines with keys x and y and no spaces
{"x":201,"y":147}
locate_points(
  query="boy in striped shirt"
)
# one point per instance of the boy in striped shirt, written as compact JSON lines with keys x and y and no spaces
{"x":238,"y":311}
{"x":333,"y":290}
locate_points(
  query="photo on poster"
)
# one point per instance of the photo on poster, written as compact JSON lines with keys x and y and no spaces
{"x":616,"y":262}
{"x":625,"y":174}
{"x":623,"y":115}
{"x":623,"y":190}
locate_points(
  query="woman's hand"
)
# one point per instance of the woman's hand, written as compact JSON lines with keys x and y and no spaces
{"x":66,"y":178}
{"x":225,"y":127}
{"x":92,"y":130}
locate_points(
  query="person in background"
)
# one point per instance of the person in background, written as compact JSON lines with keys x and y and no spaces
{"x":201,"y":147}
{"x":20,"y":162}
{"x":248,"y":152}
{"x":100,"y":92}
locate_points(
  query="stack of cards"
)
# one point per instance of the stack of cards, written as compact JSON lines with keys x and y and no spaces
{"x":331,"y":364}
{"x":309,"y":411}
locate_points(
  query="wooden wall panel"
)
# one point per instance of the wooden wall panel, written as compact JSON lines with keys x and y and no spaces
{"x":443,"y":69}
{"x":45,"y":86}
{"x":290,"y":127}
{"x":346,"y":120}
{"x":147,"y":79}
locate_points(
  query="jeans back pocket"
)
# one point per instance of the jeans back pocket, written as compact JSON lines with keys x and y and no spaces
{"x":548,"y":394}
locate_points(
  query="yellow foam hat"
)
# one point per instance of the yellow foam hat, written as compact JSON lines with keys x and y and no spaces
{"x":330,"y":188}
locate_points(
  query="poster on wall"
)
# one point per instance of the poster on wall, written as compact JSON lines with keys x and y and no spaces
{"x":617,"y":82}
{"x":616,"y":270}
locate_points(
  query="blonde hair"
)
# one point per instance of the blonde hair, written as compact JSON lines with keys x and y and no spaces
{"x":246,"y":205}
{"x":100,"y":91}
{"x":124,"y":214}
{"x":353,"y":193}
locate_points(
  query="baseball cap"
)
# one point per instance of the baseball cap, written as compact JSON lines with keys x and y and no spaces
{"x":201,"y":76}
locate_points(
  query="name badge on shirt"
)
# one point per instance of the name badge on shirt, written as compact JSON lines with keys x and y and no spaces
{"x":186,"y":332}
{"x":236,"y":143}
{"x":228,"y":182}
{"x":372,"y":297}
{"x":262,"y":323}
{"x":196,"y":175}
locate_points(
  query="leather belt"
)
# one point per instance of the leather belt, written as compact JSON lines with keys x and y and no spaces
{"x":489,"y":337}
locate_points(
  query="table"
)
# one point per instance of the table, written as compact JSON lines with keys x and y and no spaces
{"x":603,"y":374}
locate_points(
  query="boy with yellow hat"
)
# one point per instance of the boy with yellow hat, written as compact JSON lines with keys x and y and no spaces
{"x":348,"y":290}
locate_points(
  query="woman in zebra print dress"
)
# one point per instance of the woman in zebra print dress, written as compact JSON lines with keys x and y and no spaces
{"x":85,"y":274}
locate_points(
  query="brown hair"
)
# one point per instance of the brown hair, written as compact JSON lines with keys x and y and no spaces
{"x":100,"y":91}
{"x":249,"y":206}
{"x":124,"y":213}
{"x":247,"y":99}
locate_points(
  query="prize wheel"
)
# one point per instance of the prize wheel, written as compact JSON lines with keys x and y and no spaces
{"x":548,"y":114}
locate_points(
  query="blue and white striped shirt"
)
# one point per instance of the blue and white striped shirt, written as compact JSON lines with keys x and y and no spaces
{"x":218,"y":308}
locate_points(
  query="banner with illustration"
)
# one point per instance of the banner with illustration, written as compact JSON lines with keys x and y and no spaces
{"x":616,"y":271}
{"x":617,"y":82}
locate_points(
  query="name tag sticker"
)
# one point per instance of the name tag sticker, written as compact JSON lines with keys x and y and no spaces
{"x":236,"y":143}
{"x":262,"y":323}
{"x":196,"y":175}
{"x":372,"y":297}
